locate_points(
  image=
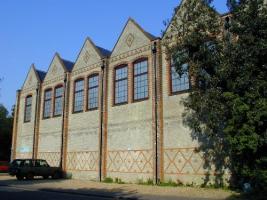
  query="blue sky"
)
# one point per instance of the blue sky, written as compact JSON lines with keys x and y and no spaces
{"x":31,"y":31}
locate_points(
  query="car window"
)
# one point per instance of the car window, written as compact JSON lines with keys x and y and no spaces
{"x":16,"y":163}
{"x":43,"y":163}
{"x":27,"y":163}
{"x":37,"y":163}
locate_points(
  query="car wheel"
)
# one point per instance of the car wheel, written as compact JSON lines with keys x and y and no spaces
{"x":19,"y":177}
{"x":56,"y":175}
{"x":45,"y":177}
{"x":29,"y":176}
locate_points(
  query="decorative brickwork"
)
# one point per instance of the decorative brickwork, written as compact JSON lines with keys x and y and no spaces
{"x":53,"y":158}
{"x":134,"y":161}
{"x":82,"y":161}
{"x":183,"y":161}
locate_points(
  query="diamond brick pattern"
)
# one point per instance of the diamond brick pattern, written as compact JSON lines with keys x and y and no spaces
{"x":183,"y":161}
{"x":82,"y":161}
{"x":53,"y":158}
{"x":130,"y":161}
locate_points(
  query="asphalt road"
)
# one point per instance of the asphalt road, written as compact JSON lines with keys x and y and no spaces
{"x":14,"y":193}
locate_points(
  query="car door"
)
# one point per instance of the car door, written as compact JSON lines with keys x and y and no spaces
{"x":37,"y":168}
{"x":27,"y":167}
{"x":45,"y":169}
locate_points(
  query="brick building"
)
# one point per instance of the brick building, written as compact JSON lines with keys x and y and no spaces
{"x":110,"y":114}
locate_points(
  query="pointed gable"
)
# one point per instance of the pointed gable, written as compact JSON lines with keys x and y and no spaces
{"x":180,"y":9}
{"x":32,"y":78}
{"x":132,"y":37}
{"x":57,"y":68}
{"x":90,"y":54}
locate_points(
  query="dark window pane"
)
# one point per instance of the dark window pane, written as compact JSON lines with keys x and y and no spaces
{"x":141,"y":80}
{"x":78,"y":96}
{"x":47,"y":103}
{"x":121,"y":85}
{"x":93,"y":92}
{"x":179,"y":83}
{"x":58,"y":101}
{"x":28,"y":109}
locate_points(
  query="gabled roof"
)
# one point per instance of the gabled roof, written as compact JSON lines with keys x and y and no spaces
{"x":101,"y":51}
{"x":147,"y":34}
{"x":41,"y":74}
{"x":35,"y":72}
{"x":177,"y":9}
{"x":104,"y":52}
{"x":68,"y":64}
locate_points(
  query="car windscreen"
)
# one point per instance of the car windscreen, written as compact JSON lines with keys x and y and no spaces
{"x":16,"y":163}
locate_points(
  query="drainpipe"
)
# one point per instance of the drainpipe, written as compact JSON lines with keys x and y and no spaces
{"x":154,"y":51}
{"x":35,"y":121}
{"x":63,"y":122}
{"x":101,"y":119}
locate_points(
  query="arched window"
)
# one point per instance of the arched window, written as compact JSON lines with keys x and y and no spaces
{"x":141,"y":79}
{"x":78,"y":95}
{"x":28,"y":108}
{"x":121,"y":85}
{"x":47,"y":103}
{"x":93,"y":85}
{"x":58,"y":101}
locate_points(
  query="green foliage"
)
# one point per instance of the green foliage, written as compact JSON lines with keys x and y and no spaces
{"x":108,"y":180}
{"x":227,"y":106}
{"x":119,"y":181}
{"x":147,"y":182}
{"x":6,"y":123}
{"x":170,"y":183}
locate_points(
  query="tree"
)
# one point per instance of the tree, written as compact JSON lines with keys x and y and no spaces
{"x":227,"y":106}
{"x":6,"y":123}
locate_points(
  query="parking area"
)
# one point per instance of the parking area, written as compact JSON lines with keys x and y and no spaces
{"x":135,"y":191}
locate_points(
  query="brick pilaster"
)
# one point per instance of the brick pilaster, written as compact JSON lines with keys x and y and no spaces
{"x":157,"y":114}
{"x":37,"y":122}
{"x":105,"y":120}
{"x":66,"y":121}
{"x":15,"y":126}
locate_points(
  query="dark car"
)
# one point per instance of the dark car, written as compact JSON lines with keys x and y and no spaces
{"x":29,"y":168}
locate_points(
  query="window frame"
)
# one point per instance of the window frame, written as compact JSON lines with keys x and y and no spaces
{"x":25,"y":108}
{"x":45,"y":100}
{"x":115,"y":81}
{"x":171,"y":92}
{"x":74,"y":92}
{"x":55,"y":97}
{"x":88,"y":88}
{"x":133,"y":77}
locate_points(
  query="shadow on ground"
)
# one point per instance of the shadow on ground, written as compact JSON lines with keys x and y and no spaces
{"x":36,"y":186}
{"x":259,"y":195}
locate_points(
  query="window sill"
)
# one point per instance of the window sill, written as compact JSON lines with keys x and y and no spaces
{"x":140,"y":100}
{"x":55,"y":116}
{"x":91,"y":109}
{"x":180,"y":92}
{"x":120,"y":104}
{"x":79,"y":111}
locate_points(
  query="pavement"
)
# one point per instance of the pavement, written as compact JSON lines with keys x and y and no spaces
{"x":97,"y":190}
